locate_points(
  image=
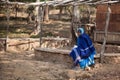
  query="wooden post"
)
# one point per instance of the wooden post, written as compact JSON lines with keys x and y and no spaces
{"x":41,"y":12}
{"x":46,"y":13}
{"x":7,"y":30}
{"x":16,"y":9}
{"x":39,"y":19}
{"x":60,"y":12}
{"x":75,"y":23}
{"x":105,"y":34}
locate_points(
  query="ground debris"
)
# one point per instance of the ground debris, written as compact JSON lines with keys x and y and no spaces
{"x":20,"y":66}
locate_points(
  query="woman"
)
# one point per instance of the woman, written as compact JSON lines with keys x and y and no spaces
{"x":83,"y":53}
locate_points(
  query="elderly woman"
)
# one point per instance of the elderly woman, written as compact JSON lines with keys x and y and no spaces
{"x":83,"y":53}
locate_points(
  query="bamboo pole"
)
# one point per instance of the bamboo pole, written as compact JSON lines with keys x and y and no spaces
{"x":105,"y":35}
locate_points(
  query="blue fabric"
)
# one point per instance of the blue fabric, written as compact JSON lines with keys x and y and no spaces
{"x":83,"y":62}
{"x":81,"y":30}
{"x":85,"y":46}
{"x":85,"y":51}
{"x":74,"y":56}
{"x":87,"y":61}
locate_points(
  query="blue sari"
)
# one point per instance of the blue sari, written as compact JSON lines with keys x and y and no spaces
{"x":83,"y":53}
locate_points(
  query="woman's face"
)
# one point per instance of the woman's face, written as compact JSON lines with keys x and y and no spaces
{"x":78,"y":33}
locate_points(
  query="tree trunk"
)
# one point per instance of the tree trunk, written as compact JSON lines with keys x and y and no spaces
{"x":74,"y":24}
{"x":39,"y":11}
{"x":60,"y":13}
{"x":37,"y":22}
{"x":105,"y":35}
{"x":7,"y":30}
{"x":88,"y":13}
{"x":73,"y":36}
{"x":16,"y":9}
{"x":46,"y":13}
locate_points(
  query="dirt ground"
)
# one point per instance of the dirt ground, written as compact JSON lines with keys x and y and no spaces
{"x":23,"y":66}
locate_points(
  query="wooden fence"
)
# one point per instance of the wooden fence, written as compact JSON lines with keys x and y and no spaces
{"x":112,"y":37}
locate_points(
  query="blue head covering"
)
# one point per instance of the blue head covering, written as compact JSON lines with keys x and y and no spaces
{"x":81,"y":30}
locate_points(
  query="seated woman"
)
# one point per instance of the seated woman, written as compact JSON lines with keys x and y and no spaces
{"x":83,"y":53}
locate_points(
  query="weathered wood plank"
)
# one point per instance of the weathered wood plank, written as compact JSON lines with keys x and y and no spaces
{"x":113,"y":37}
{"x":66,"y":52}
{"x":60,"y":56}
{"x":63,"y":2}
{"x":59,"y":51}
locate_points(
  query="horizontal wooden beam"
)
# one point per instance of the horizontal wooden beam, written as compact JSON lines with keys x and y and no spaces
{"x":60,"y":51}
{"x":61,"y":56}
{"x":66,"y":52}
{"x":63,"y":2}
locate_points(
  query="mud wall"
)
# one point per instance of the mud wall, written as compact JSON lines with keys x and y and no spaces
{"x":24,"y":44}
